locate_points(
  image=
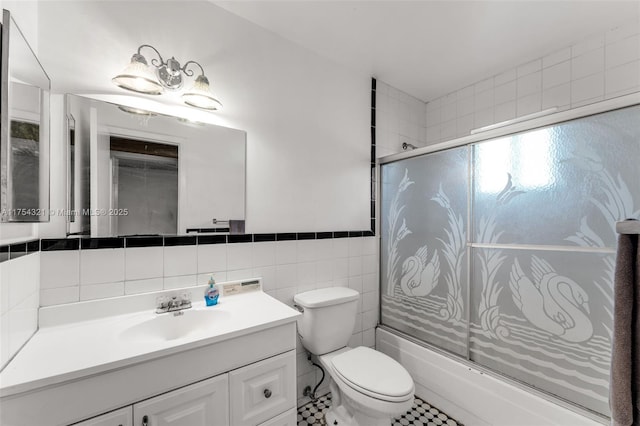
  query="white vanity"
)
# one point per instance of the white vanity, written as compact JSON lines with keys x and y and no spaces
{"x":229,"y":364}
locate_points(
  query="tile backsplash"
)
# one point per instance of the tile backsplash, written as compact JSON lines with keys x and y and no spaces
{"x":19,"y":302}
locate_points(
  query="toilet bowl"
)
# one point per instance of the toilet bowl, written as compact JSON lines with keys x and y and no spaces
{"x":369,"y":388}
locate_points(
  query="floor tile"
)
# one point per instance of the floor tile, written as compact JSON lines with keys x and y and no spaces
{"x":421,"y":414}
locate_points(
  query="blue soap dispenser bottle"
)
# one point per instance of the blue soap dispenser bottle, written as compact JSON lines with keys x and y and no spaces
{"x":211,"y":293}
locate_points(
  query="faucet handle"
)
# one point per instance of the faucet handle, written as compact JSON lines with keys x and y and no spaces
{"x":162,"y":301}
{"x":185,"y":299}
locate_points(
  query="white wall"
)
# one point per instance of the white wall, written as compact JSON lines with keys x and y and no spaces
{"x":306,"y":118}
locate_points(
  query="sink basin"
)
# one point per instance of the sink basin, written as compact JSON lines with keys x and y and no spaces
{"x":167,"y":326}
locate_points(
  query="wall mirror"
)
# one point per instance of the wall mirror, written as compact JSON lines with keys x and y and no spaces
{"x":135,"y":172}
{"x":24,"y":130}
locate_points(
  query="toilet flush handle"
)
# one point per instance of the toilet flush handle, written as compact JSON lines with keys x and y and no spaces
{"x":298,"y":308}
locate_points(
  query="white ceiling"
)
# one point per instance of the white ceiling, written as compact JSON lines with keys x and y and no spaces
{"x":431,"y":48}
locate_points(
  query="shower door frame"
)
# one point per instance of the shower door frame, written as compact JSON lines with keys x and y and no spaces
{"x":499,"y":130}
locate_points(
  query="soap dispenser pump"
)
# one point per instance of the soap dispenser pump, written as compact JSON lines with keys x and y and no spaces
{"x":211,"y":293}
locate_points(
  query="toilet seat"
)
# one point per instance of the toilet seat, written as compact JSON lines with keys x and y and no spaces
{"x":374,"y":374}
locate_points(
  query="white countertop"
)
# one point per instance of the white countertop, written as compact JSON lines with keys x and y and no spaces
{"x":75,"y":348}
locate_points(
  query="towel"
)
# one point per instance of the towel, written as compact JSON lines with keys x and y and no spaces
{"x":625,"y":355}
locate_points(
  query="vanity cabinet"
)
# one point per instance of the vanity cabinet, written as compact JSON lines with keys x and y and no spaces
{"x":205,"y":403}
{"x":202,"y":404}
{"x":121,"y":417}
{"x":249,"y":379}
{"x":262,"y":390}
{"x":259,"y":394}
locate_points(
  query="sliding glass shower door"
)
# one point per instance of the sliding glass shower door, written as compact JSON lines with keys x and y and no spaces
{"x":502,"y":251}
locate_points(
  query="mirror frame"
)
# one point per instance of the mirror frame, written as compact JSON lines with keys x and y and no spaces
{"x":7,"y":210}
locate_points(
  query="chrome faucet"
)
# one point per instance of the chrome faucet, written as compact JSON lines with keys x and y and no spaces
{"x":173,"y":303}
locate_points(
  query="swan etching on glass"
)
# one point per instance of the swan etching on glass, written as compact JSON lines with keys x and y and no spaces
{"x":551,"y":302}
{"x":419,"y":276}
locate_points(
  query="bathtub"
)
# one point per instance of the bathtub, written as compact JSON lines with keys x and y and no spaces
{"x":471,"y":396}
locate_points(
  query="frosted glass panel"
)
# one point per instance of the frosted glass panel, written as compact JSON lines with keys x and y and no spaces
{"x":423,"y":261}
{"x":545,"y":318}
{"x":540,"y":253}
{"x":561,"y":185}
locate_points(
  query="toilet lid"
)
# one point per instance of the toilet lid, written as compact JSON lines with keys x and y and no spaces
{"x":374,"y":372}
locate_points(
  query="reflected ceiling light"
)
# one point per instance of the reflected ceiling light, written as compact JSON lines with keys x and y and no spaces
{"x":139,"y":77}
{"x":136,"y":111}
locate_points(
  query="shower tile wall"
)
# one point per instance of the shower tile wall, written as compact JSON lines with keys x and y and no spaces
{"x":286,"y":267}
{"x":603,"y":66}
{"x":399,"y":118}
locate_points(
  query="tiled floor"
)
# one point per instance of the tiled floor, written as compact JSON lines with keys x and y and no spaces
{"x":421,"y":414}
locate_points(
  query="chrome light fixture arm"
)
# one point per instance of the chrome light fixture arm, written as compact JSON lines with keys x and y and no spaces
{"x":154,"y":61}
{"x":190,"y":72}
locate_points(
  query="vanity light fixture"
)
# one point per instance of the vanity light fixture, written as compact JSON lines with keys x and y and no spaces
{"x":139,"y":77}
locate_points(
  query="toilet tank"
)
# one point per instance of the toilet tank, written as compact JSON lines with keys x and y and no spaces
{"x":328,"y":318}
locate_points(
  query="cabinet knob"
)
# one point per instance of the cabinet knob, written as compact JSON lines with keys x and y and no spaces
{"x":267,"y":393}
{"x":145,"y":421}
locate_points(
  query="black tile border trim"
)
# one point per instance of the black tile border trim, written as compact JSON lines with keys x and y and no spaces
{"x":4,"y":253}
{"x":131,"y":242}
{"x":16,"y":250}
{"x":373,"y":156}
{"x":180,"y":241}
{"x":101,"y":243}
{"x":13,"y":251}
{"x":212,"y":239}
{"x":239,"y":238}
{"x":57,"y":244}
{"x":258,"y":238}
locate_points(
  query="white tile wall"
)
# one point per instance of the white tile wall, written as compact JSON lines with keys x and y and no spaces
{"x":180,"y":260}
{"x":399,"y":118}
{"x":143,"y":262}
{"x":99,"y":266}
{"x":19,"y":284}
{"x":600,"y":67}
{"x":59,"y":269}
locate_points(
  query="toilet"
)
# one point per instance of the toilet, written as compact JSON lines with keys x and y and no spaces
{"x":368,"y":387}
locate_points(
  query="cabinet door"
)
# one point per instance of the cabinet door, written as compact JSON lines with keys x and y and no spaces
{"x":263,"y":390}
{"x":204,"y":403}
{"x":288,"y":418}
{"x":121,"y":417}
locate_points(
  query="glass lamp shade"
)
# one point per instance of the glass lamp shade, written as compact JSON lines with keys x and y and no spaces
{"x":138,"y":77}
{"x":200,"y":97}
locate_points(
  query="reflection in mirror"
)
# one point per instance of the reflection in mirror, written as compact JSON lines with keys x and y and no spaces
{"x":134,"y":172}
{"x":145,"y":187}
{"x":24,"y":141}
